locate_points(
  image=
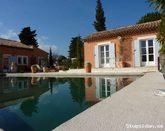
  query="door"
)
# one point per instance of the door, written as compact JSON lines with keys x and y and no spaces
{"x":147,"y":52}
{"x":107,"y":55}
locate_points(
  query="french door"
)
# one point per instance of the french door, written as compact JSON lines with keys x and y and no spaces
{"x":107,"y":55}
{"x":105,"y":89}
{"x":147,"y":52}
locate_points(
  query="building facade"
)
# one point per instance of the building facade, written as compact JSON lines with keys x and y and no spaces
{"x":21,"y":55}
{"x":131,"y":46}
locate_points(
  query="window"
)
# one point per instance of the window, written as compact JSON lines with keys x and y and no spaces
{"x":147,"y":50}
{"x":22,"y":60}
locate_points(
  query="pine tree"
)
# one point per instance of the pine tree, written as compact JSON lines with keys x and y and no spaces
{"x":76,"y":50}
{"x":27,"y":37}
{"x":99,"y":23}
{"x":50,"y":58}
{"x":150,"y":17}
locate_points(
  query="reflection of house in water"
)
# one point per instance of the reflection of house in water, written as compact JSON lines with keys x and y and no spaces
{"x":99,"y":88}
{"x":90,"y":90}
{"x":14,"y":90}
{"x":105,"y":87}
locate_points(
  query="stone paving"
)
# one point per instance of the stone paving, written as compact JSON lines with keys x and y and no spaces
{"x":135,"y":107}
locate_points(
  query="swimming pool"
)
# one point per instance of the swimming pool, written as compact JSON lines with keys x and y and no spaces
{"x":42,"y":104}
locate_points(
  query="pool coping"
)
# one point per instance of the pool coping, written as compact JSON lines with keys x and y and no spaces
{"x":73,"y":74}
{"x":95,"y":72}
{"x":138,"y":107}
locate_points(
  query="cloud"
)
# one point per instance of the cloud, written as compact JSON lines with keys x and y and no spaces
{"x":44,"y":45}
{"x":10,"y":34}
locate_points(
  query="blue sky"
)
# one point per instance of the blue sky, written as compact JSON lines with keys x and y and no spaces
{"x":57,"y":21}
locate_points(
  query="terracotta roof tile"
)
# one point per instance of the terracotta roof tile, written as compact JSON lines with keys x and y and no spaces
{"x":12,"y":43}
{"x":125,"y":31}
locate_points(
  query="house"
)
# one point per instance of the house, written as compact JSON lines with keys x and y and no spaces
{"x":131,"y":46}
{"x":21,"y":55}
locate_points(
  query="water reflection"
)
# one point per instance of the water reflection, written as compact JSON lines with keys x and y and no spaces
{"x":29,"y":106}
{"x":97,"y":88}
{"x":77,"y":90}
{"x":16,"y":90}
{"x":90,"y":89}
{"x":54,"y":99}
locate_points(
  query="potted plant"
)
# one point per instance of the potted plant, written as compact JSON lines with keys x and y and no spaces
{"x":88,"y":67}
{"x":33,"y":68}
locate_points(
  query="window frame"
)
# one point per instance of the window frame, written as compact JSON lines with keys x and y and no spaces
{"x":22,"y":60}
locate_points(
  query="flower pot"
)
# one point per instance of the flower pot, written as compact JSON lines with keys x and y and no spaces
{"x":33,"y":69}
{"x":88,"y":67}
{"x":33,"y":80}
{"x":45,"y":69}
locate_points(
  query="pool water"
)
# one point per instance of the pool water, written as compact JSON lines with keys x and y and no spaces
{"x":42,"y":104}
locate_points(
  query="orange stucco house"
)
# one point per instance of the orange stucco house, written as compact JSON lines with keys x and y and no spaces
{"x":131,"y":46}
{"x":20,"y":54}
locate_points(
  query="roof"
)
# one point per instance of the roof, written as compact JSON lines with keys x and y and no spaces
{"x":12,"y":43}
{"x":125,"y":31}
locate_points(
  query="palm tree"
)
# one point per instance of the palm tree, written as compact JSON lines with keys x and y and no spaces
{"x":158,"y":4}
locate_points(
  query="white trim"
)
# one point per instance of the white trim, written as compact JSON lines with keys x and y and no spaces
{"x":99,"y":55}
{"x":147,"y":62}
{"x":104,"y":43}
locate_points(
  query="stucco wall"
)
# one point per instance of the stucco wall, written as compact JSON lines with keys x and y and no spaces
{"x":23,"y":52}
{"x":126,"y":43}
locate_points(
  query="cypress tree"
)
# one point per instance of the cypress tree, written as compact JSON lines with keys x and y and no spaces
{"x":50,"y":58}
{"x":99,"y":23}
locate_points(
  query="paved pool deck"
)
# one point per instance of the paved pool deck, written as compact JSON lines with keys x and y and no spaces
{"x":135,"y":107}
{"x":95,"y":72}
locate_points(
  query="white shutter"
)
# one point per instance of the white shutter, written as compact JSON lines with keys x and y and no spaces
{"x":97,"y":82}
{"x":113,"y":85}
{"x":96,"y":56}
{"x":136,"y":53}
{"x":157,"y":48}
{"x":112,"y":55}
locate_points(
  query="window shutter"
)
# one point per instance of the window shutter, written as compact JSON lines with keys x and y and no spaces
{"x":97,"y":82}
{"x":157,"y":48}
{"x":96,"y":56}
{"x":136,"y":53}
{"x":112,"y":55}
{"x":113,"y":85}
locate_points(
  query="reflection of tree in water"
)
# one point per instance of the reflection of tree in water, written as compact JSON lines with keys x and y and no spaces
{"x":77,"y":89}
{"x":29,"y":106}
{"x":54,"y":82}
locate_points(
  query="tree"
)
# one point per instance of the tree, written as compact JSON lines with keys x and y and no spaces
{"x":99,"y":23}
{"x":150,"y":17}
{"x":50,"y":58}
{"x":158,"y":4}
{"x":76,"y":50}
{"x":27,"y":37}
{"x":61,"y":59}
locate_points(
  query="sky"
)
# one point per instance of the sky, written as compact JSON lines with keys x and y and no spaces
{"x":57,"y":21}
